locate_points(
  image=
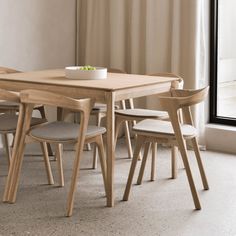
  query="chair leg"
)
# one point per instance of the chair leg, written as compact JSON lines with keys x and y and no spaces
{"x":118,"y":122}
{"x":146,"y":150}
{"x":75,"y":174}
{"x":47,"y":162}
{"x":95,"y":156}
{"x":128,"y":140}
{"x":174,"y":150}
{"x":50,"y":152}
{"x":154,"y":156}
{"x":88,"y":147}
{"x":42,"y":112}
{"x":200,"y":165}
{"x":99,"y":142}
{"x":190,"y":178}
{"x":7,"y":147}
{"x":183,"y":151}
{"x":139,"y":143}
{"x":60,"y":164}
{"x":18,"y":154}
{"x":135,"y":138}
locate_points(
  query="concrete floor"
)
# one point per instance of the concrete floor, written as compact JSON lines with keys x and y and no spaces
{"x":162,"y":207}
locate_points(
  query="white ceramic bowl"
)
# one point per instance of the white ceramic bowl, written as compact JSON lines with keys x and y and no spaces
{"x":74,"y":72}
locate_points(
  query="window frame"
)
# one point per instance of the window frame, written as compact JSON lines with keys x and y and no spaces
{"x":214,"y":68}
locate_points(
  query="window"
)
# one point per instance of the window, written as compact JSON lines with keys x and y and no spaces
{"x":223,"y":62}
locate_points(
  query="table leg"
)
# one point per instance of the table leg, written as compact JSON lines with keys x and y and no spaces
{"x":110,"y":148}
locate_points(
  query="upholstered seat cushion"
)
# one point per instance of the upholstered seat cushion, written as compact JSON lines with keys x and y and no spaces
{"x":8,"y":122}
{"x":60,"y":131}
{"x":143,"y":113}
{"x":163,"y":127}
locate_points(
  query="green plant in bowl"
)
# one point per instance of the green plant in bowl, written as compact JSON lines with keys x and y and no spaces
{"x":87,"y":67}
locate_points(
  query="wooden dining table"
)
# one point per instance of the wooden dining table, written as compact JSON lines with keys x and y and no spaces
{"x":114,"y":88}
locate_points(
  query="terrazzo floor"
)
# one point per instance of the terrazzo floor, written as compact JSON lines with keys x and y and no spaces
{"x":162,"y":207}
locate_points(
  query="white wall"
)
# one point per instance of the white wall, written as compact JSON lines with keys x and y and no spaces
{"x":37,"y":34}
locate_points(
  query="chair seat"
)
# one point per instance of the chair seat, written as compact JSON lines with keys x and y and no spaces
{"x":163,"y":127}
{"x":60,"y":131}
{"x":143,"y":113}
{"x":8,"y":122}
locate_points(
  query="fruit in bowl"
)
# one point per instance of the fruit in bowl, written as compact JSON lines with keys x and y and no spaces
{"x":85,"y":72}
{"x":88,"y":67}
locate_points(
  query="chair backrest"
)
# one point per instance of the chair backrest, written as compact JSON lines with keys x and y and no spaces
{"x":9,"y":96}
{"x":183,"y":99}
{"x":6,"y":70}
{"x":186,"y":98}
{"x":167,"y":74}
{"x":32,"y":96}
{"x":114,"y":70}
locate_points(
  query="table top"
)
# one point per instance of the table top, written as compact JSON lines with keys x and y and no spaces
{"x":114,"y":81}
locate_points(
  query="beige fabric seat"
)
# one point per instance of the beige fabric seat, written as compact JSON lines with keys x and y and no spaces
{"x":164,"y":128}
{"x":143,"y":113}
{"x":60,"y":131}
{"x":8,"y":122}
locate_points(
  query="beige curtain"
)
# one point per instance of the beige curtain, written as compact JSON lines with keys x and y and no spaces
{"x":145,"y":36}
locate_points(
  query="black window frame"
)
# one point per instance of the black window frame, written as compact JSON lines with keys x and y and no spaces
{"x":214,"y":68}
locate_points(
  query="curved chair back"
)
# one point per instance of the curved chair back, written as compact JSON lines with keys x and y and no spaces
{"x":32,"y":96}
{"x":114,"y":70}
{"x":6,"y":70}
{"x":184,"y":98}
{"x":167,"y":74}
{"x":9,"y":96}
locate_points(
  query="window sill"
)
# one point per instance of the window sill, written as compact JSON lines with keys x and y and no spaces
{"x":221,"y":138}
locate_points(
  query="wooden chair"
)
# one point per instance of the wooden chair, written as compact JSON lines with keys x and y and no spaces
{"x":13,"y":108}
{"x":133,"y":115}
{"x":174,"y":132}
{"x":9,"y":122}
{"x":60,"y":132}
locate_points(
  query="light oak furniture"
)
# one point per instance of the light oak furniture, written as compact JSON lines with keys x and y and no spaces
{"x":13,"y":108}
{"x":9,"y":123}
{"x":116,"y":87}
{"x":60,"y":132}
{"x":133,"y":115}
{"x":149,"y":131}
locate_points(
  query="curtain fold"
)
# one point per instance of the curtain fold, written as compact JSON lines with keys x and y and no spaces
{"x":144,"y":37}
